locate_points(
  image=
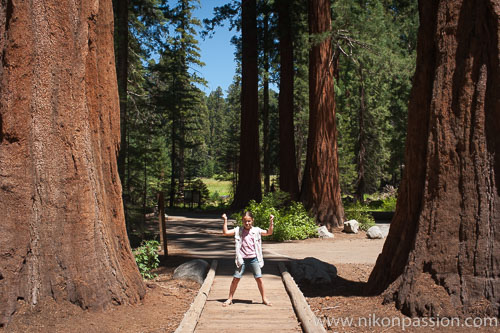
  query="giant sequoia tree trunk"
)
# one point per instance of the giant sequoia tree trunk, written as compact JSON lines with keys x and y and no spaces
{"x":321,"y":186}
{"x":249,"y":184}
{"x":288,"y":167}
{"x":62,"y":225}
{"x":442,"y":253}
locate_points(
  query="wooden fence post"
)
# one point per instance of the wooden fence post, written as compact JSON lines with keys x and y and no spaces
{"x":163,"y":226}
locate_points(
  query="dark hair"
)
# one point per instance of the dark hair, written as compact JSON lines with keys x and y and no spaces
{"x":248,"y":213}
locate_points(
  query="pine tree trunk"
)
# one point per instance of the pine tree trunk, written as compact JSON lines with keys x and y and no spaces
{"x":288,"y":167}
{"x":173,"y":163}
{"x":145,"y":184}
{"x":181,"y":157}
{"x":62,"y":224}
{"x":361,"y":158}
{"x":121,"y":41}
{"x":265,"y":109}
{"x":321,"y":186}
{"x":441,"y":256}
{"x":249,"y":182}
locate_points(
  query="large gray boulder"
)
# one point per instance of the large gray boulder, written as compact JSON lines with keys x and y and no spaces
{"x":351,"y":226}
{"x":324,"y":233}
{"x":312,"y":271}
{"x":384,"y":228}
{"x":195,"y":270}
{"x":374,"y":233}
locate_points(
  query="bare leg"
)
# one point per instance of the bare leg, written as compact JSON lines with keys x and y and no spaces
{"x":260,"y":284}
{"x":232,"y":289}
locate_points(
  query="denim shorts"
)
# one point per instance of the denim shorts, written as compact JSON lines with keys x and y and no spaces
{"x":254,"y":265}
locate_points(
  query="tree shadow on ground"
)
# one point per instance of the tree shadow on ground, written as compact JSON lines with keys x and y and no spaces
{"x":338,"y":287}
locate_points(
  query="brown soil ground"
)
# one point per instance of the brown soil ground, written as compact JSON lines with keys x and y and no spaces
{"x":344,"y":300}
{"x":161,"y":310}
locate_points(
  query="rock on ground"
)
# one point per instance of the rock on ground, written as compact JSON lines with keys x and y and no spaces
{"x":351,"y":226}
{"x":374,"y":233}
{"x":324,"y":233}
{"x":195,"y":270}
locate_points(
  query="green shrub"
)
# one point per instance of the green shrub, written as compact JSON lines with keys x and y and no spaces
{"x":291,"y":220}
{"x":146,"y":257}
{"x":389,"y":204}
{"x":199,"y":185}
{"x":376,"y":204}
{"x":294,"y":223}
{"x":359,"y":213}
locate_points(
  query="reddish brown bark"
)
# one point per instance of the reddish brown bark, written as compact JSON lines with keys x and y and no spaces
{"x":321,"y":186}
{"x":441,"y":256}
{"x":249,"y":183}
{"x":288,"y":167}
{"x":62,"y":223}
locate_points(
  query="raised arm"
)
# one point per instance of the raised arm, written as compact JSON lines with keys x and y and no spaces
{"x":226,"y":232}
{"x":269,"y":231}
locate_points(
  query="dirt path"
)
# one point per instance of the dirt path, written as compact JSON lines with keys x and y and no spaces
{"x":201,"y":237}
{"x":353,"y":255}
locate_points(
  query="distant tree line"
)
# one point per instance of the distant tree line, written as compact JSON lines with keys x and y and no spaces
{"x":173,"y":133}
{"x":59,"y":137}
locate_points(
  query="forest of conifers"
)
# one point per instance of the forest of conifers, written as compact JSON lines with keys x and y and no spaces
{"x":172,"y":132}
{"x":344,"y":72}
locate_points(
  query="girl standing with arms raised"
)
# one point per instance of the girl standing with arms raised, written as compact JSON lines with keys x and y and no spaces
{"x":248,"y":243}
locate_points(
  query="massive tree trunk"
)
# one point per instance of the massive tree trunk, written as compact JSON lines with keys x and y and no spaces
{"x":288,"y":166}
{"x":321,"y":186}
{"x":249,"y":183}
{"x":441,"y":256}
{"x":62,"y":225}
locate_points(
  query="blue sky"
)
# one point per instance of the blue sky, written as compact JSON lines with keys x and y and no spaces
{"x":217,"y":52}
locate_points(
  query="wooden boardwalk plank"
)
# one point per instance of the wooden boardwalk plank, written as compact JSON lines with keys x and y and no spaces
{"x":248,"y":313}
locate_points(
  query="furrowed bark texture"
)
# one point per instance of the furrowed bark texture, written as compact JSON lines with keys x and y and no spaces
{"x":249,"y":182}
{"x":321,"y":186}
{"x":442,"y":254}
{"x":62,"y":225}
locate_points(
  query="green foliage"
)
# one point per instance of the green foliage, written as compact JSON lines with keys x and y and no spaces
{"x":294,"y":223}
{"x":374,"y":43}
{"x":291,"y":220}
{"x":174,"y":132}
{"x":361,"y":214}
{"x":199,"y":185}
{"x":146,"y":257}
{"x":389,"y":204}
{"x":383,"y":202}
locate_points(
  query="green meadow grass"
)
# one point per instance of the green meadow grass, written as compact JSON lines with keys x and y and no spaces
{"x":223,"y":187}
